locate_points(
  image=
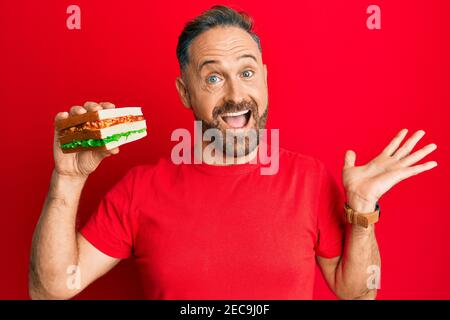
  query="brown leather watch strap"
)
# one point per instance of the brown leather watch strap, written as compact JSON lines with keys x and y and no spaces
{"x":361,"y":219}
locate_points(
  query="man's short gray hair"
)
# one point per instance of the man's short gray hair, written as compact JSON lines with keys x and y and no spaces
{"x":214,"y":17}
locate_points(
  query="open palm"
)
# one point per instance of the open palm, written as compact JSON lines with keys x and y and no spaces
{"x":394,"y":164}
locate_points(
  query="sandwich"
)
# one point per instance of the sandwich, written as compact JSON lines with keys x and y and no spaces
{"x":101,"y":130}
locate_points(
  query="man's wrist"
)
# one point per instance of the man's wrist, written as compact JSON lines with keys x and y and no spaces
{"x":66,"y":188}
{"x":362,"y":207}
{"x":360,"y":213}
{"x":360,"y":204}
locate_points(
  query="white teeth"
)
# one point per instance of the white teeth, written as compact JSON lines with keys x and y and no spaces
{"x":235,"y":114}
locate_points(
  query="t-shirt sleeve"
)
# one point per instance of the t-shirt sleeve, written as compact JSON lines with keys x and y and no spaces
{"x":111,"y":227}
{"x":330,"y":217}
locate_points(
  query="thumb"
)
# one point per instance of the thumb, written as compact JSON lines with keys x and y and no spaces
{"x":59,"y":116}
{"x":350,"y":158}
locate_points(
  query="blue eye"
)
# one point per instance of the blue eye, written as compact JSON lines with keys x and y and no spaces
{"x":247,"y":73}
{"x":213,"y":79}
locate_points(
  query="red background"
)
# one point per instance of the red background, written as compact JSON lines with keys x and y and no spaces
{"x":333,"y":85}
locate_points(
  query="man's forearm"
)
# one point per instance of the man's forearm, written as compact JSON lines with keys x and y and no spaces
{"x":361,"y":257}
{"x":54,"y":246}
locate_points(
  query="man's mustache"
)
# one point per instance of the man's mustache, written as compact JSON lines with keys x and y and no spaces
{"x":229,"y":107}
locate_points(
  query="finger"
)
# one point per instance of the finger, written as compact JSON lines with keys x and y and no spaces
{"x":395,"y":143}
{"x":100,"y":155}
{"x":61,"y":115}
{"x":107,"y":105}
{"x":114,"y":151}
{"x":77,"y":110}
{"x":92,"y":106}
{"x":418,"y":155}
{"x":350,"y":158}
{"x":414,"y":170}
{"x":404,"y":150}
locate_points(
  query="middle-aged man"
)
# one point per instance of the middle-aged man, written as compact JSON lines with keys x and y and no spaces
{"x":211,"y":230}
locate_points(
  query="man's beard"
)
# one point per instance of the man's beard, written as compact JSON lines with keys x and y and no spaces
{"x":236,"y":144}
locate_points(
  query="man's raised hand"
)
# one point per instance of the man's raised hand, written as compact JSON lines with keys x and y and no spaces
{"x":367,"y":183}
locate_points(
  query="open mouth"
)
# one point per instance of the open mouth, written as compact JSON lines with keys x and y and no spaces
{"x":237,"y":120}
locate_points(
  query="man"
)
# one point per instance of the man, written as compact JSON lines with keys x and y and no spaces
{"x":213,"y":231}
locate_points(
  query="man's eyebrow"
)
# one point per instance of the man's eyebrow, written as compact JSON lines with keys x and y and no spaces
{"x":205,"y":63}
{"x":248,"y":56}
{"x":215,"y":61}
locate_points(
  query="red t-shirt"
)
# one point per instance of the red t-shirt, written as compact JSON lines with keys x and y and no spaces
{"x":199,"y":231}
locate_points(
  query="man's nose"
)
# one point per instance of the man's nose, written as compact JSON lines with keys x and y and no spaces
{"x":234,"y":91}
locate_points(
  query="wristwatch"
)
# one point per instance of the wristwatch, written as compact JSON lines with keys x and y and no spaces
{"x":362,"y":219}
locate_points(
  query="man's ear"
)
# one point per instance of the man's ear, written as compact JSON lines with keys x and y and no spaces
{"x":183,"y":92}
{"x":265,"y":74}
